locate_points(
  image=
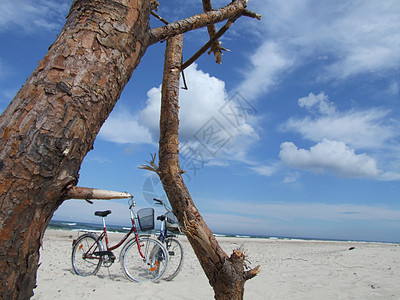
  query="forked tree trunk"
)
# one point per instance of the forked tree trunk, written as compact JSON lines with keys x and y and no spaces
{"x":225,"y":274}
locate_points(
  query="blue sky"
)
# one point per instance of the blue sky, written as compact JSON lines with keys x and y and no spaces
{"x":295,"y":134}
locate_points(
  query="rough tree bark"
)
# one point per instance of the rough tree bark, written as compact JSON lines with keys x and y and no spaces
{"x":226,"y":274}
{"x":52,"y":122}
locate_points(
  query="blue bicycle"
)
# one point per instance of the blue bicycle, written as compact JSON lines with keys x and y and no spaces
{"x":169,"y":229}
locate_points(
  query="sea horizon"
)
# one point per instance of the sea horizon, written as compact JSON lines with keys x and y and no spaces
{"x":112,"y":228}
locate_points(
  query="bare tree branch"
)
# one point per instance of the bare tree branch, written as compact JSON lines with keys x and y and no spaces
{"x":251,"y":14}
{"x":159,"y":17}
{"x":152,"y":166}
{"x":232,"y":10}
{"x":208,"y":44}
{"x":85,"y":193}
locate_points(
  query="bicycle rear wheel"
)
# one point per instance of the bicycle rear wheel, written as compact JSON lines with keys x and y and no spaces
{"x":151,"y":267}
{"x":175,"y":258}
{"x":84,"y":262}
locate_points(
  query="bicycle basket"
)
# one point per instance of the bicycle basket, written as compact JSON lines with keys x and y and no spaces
{"x":146,"y":218}
{"x":171,"y":222}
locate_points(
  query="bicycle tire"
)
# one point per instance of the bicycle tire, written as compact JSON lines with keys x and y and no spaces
{"x":86,"y":266}
{"x":175,"y":258}
{"x":151,"y":267}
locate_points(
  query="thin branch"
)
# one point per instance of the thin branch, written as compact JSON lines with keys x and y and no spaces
{"x":208,"y":44}
{"x":159,"y":17}
{"x":232,"y":10}
{"x":77,"y":192}
{"x":251,"y":14}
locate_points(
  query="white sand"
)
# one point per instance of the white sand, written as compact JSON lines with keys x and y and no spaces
{"x":289,"y":270}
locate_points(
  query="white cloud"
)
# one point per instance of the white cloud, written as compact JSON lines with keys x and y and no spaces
{"x":266,"y":64}
{"x":371,"y":128}
{"x":291,"y":178}
{"x":32,"y":16}
{"x":329,"y":155}
{"x":123,"y":127}
{"x":390,"y":176}
{"x":353,"y":37}
{"x":331,"y":42}
{"x":265,"y":170}
{"x":367,"y":35}
{"x":338,"y":135}
{"x":210,"y":121}
{"x":205,"y":96}
{"x":318,"y":103}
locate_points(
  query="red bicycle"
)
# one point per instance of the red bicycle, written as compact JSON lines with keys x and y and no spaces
{"x":142,"y":257}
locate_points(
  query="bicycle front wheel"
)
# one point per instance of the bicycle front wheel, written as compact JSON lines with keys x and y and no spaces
{"x":175,"y":258}
{"x":84,"y":261}
{"x":149,"y":267}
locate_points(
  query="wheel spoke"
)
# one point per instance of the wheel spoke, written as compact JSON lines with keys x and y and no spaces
{"x":149,"y":268}
{"x":84,"y":262}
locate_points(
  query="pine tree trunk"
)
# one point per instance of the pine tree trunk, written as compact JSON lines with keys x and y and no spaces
{"x":52,"y":123}
{"x":226,"y":274}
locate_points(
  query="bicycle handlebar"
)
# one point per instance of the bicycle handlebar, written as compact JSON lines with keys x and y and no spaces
{"x":162,"y":203}
{"x":158,"y":200}
{"x":131,"y":203}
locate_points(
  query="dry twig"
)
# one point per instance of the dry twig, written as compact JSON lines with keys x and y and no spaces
{"x":152,"y":166}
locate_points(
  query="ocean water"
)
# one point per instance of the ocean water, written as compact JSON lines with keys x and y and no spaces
{"x":80,"y":226}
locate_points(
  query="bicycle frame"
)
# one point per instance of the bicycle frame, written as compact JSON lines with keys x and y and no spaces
{"x":163,"y":232}
{"x":105,"y":236}
{"x":163,"y":229}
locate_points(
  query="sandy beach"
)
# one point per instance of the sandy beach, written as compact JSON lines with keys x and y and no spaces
{"x":290,"y":269}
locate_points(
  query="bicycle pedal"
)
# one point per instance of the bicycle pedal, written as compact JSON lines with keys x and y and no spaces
{"x":100,"y":253}
{"x":111,"y":256}
{"x":171,"y":253}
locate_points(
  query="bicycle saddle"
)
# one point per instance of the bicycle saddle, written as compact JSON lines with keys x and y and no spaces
{"x":161,"y":218}
{"x":104,"y":213}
